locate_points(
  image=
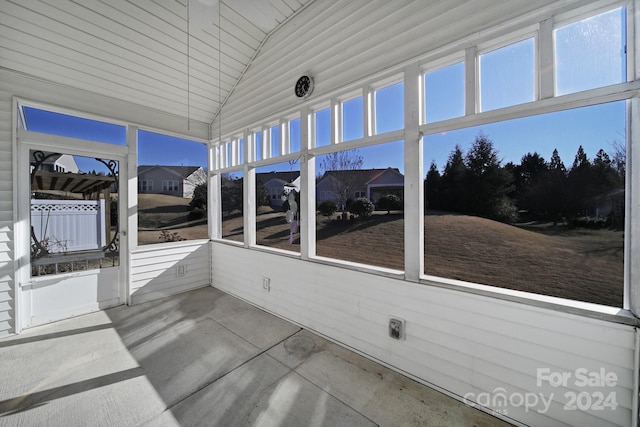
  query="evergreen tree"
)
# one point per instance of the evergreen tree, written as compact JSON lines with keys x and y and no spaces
{"x":581,"y":184}
{"x":453,"y":182}
{"x":527,"y":176}
{"x":487,"y":183}
{"x":432,"y":187}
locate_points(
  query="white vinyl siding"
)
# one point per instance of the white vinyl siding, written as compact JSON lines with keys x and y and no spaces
{"x":154,"y":269}
{"x":7,"y":273}
{"x":460,"y":342}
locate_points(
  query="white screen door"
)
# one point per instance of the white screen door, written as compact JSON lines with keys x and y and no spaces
{"x":71,"y":204}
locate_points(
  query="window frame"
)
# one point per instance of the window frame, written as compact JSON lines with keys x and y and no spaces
{"x":468,"y":50}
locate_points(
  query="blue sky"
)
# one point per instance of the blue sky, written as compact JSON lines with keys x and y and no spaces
{"x":589,"y":53}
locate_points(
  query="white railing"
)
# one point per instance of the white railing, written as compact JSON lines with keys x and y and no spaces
{"x":69,"y":225}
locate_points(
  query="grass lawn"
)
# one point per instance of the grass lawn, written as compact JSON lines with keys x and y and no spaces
{"x":158,"y":212}
{"x":585,"y":265}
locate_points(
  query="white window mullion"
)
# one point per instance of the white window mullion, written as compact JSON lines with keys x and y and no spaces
{"x":336,"y":121}
{"x":369,"y":112}
{"x":471,"y":81}
{"x":413,"y":178}
{"x":285,"y":138}
{"x":545,"y":60}
{"x":307,"y":189}
{"x":249,"y":194}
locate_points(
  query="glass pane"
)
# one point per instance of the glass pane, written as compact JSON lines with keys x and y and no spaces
{"x":278,"y":205}
{"x":533,"y":204}
{"x":231,"y":188}
{"x":507,"y":76}
{"x":359,"y":205}
{"x":74,"y":127}
{"x":591,"y":53}
{"x":352,"y":119}
{"x":258,"y":144}
{"x":241,"y":150}
{"x":444,"y":93}
{"x":74,"y":213}
{"x":390,"y":108}
{"x":172,"y":189}
{"x":294,"y":135}
{"x":275,"y":141}
{"x":323,"y":127}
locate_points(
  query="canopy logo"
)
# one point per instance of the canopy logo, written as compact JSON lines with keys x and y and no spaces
{"x":580,"y":389}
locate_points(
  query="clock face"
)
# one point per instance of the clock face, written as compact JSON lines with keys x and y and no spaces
{"x":304,"y":87}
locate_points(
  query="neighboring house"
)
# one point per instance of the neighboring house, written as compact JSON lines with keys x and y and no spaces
{"x":172,"y":180}
{"x":274,"y":183}
{"x":58,"y":163}
{"x":369,"y":183}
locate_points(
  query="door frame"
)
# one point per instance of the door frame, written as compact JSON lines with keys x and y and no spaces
{"x":29,"y":140}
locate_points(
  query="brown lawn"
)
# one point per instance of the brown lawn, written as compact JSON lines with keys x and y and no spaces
{"x":585,"y":265}
{"x":158,"y":212}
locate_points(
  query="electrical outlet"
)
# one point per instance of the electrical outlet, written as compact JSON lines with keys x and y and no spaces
{"x":181,"y":270}
{"x":396,"y":328}
{"x":266,"y":284}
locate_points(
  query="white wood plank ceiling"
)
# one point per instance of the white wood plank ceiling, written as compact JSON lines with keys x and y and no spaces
{"x":182,"y":57}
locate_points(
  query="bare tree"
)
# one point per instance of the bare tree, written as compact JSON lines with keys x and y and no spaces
{"x":342,"y":181}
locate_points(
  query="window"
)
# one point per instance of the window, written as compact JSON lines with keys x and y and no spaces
{"x":389,"y":113}
{"x":355,"y":209}
{"x":444,"y":93}
{"x":146,"y":186}
{"x":170,"y":186}
{"x":294,"y":135}
{"x":259,"y":149}
{"x":231,"y":193}
{"x":38,"y":120}
{"x":277,"y":193}
{"x":275,"y":141}
{"x":352,"y":119}
{"x":507,"y":76}
{"x":73,"y":210}
{"x":591,"y":53}
{"x":533,"y":204}
{"x":322,"y":127}
{"x":179,"y":168}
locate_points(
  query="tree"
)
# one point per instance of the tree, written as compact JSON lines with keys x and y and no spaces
{"x":390,"y":202}
{"x":619,"y":159}
{"x":581,"y":184}
{"x":453,"y":182}
{"x":527,"y":175}
{"x":432,"y":187}
{"x":361,"y":207}
{"x":548,"y":195}
{"x":199,"y":198}
{"x":343,"y":183}
{"x":486,"y":181}
{"x":231,"y":193}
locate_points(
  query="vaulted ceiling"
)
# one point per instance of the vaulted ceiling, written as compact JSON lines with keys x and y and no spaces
{"x":183,"y":57}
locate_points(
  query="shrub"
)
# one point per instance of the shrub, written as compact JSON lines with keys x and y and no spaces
{"x":390,"y":202}
{"x":362,"y":207}
{"x":199,"y":199}
{"x":167,"y":236}
{"x":327,"y":208}
{"x":504,"y":210}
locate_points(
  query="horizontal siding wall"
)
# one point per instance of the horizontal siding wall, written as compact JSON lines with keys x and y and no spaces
{"x":7,"y":275}
{"x":154,"y":269}
{"x":342,"y":42}
{"x":460,"y":342}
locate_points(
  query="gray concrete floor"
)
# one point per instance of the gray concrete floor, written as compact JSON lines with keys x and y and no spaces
{"x":204,"y":358}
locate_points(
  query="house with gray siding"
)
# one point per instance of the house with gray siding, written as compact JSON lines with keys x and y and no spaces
{"x":171,"y":180}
